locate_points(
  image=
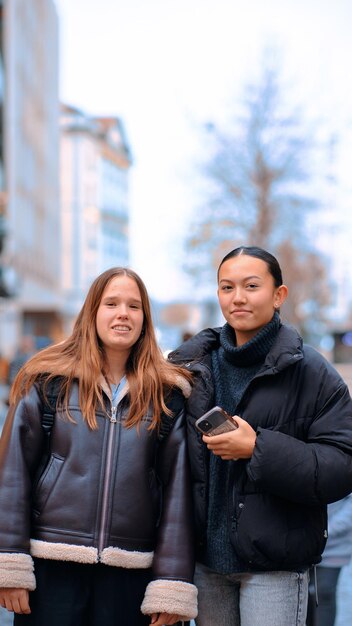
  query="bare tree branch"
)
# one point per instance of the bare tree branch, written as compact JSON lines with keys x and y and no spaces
{"x":260,"y":192}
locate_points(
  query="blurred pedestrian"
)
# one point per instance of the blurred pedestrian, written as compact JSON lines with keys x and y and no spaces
{"x":337,"y":554}
{"x":25,"y":350}
{"x":261,"y":490}
{"x":102,"y":536}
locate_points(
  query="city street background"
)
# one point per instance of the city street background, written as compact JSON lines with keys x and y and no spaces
{"x":160,"y":135}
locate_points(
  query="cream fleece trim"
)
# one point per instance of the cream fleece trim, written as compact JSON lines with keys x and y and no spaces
{"x":180,"y":382}
{"x":184,"y":385}
{"x":117,"y":557}
{"x":171,"y":596}
{"x":122,"y":392}
{"x":125,"y":558}
{"x":63,"y":552}
{"x":16,"y":570}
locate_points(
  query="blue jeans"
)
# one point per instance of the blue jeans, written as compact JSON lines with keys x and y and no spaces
{"x":251,"y":599}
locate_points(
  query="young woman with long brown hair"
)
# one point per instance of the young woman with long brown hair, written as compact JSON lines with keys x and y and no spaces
{"x":105,"y":527}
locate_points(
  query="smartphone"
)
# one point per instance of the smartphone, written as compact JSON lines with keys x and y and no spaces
{"x":215,"y":422}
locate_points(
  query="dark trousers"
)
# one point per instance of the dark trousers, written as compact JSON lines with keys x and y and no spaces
{"x":324,"y":614}
{"x":75,"y":594}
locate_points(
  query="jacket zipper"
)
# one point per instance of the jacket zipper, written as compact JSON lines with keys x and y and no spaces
{"x":108,"y":464}
{"x":234,"y":502}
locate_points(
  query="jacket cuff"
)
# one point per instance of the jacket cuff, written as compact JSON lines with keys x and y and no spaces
{"x":17,"y":570}
{"x":171,"y":596}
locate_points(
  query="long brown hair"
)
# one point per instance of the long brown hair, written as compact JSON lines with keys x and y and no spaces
{"x":150,"y":376}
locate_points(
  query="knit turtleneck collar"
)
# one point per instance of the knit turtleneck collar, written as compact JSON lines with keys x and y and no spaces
{"x":254,"y":350}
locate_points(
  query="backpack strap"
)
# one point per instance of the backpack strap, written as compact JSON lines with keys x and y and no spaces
{"x":49,"y":393}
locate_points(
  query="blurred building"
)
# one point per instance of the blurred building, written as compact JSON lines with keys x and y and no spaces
{"x":29,"y":171}
{"x":177,"y":319}
{"x":95,"y":162}
{"x":63,"y":185}
{"x":3,"y":290}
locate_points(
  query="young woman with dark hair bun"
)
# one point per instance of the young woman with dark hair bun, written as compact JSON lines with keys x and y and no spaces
{"x":261,"y":491}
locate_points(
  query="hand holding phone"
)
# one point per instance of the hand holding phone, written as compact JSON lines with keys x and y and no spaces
{"x":215,"y":422}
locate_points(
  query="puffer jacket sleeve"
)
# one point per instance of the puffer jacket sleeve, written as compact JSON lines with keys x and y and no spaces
{"x":171,"y":589}
{"x":21,"y":446}
{"x":317,"y":470}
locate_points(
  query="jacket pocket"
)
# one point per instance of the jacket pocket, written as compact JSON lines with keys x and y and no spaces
{"x":46,"y":484}
{"x":275,"y":534}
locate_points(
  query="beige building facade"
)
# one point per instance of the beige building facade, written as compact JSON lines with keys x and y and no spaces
{"x":30,"y":154}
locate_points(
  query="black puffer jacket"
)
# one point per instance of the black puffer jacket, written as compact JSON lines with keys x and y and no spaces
{"x":301,"y":411}
{"x":113,"y":495}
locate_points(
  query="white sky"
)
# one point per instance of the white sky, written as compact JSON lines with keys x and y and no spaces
{"x":165,"y":66}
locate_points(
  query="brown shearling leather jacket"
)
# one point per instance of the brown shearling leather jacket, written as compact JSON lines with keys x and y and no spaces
{"x":114,"y":495}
